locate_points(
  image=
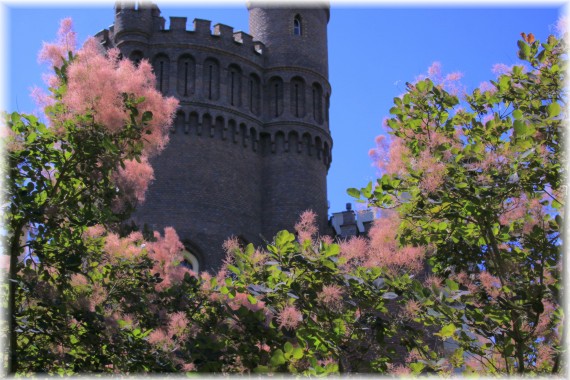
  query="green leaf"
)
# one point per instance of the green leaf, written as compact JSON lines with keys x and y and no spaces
{"x":452,"y":285}
{"x":288,"y":347}
{"x":524,"y":50}
{"x":73,"y":339}
{"x":367,"y":191}
{"x":421,"y":86}
{"x":297,"y":353}
{"x":31,"y":137}
{"x":252,"y":300}
{"x":277,"y":358}
{"x":233,"y":269}
{"x":283,"y":238}
{"x":417,"y":367}
{"x":261,"y":369}
{"x":355,"y":193}
{"x":517,"y":114}
{"x":332,"y":250}
{"x":520,"y":128}
{"x":504,"y":82}
{"x":447,"y":331}
{"x":553,"y":109}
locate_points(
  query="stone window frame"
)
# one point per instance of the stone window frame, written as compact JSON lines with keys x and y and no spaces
{"x":297,"y":25}
{"x":191,"y":259}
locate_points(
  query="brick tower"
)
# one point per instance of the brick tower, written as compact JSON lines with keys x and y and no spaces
{"x":250,"y":147}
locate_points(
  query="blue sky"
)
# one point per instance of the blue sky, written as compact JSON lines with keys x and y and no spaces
{"x":374,"y":48}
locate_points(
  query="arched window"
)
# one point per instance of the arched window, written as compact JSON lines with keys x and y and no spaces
{"x":190,"y":261}
{"x":211,"y":79}
{"x":317,"y":103}
{"x":161,"y":66}
{"x":275,"y":89}
{"x":297,"y":31}
{"x":186,"y":75}
{"x":136,"y":56}
{"x":179,"y":123}
{"x":234,"y":81}
{"x":254,"y":93}
{"x":297,"y":97}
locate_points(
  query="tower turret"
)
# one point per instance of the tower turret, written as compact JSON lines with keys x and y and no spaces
{"x":296,"y":105}
{"x":293,"y":37}
{"x":136,"y":21}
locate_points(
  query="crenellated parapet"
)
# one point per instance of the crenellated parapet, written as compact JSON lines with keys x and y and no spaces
{"x":142,"y":22}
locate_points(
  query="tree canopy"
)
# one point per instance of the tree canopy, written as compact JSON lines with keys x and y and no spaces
{"x":461,"y":272}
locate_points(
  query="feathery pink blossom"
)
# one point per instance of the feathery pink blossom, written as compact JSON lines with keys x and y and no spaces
{"x":97,"y":83}
{"x":78,"y":279}
{"x":289,"y":318}
{"x":544,"y":355}
{"x":231,"y":245}
{"x":490,"y":283}
{"x":452,"y":77}
{"x":433,"y":281}
{"x":561,"y":26}
{"x":55,"y":53}
{"x":94,"y":231}
{"x":125,"y":248}
{"x":177,"y":325}
{"x":487,"y":87}
{"x":98,"y":88}
{"x":306,"y":227}
{"x":434,"y":71}
{"x":134,"y":179}
{"x":398,"y":370}
{"x":263,"y":347}
{"x":241,"y":299}
{"x":188,"y":367}
{"x":354,"y":249}
{"x":166,"y":253}
{"x":331,"y":297}
{"x":514,"y":209}
{"x":390,"y":156}
{"x":385,"y":251}
{"x":40,"y":97}
{"x":501,"y":68}
{"x":411,"y":309}
{"x":97,"y":297}
{"x":161,"y":339}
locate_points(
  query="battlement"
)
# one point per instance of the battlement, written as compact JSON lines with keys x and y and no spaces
{"x":144,"y":18}
{"x":224,"y":33}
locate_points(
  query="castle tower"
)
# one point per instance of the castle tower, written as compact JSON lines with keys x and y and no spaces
{"x":296,"y":106}
{"x":250,"y":147}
